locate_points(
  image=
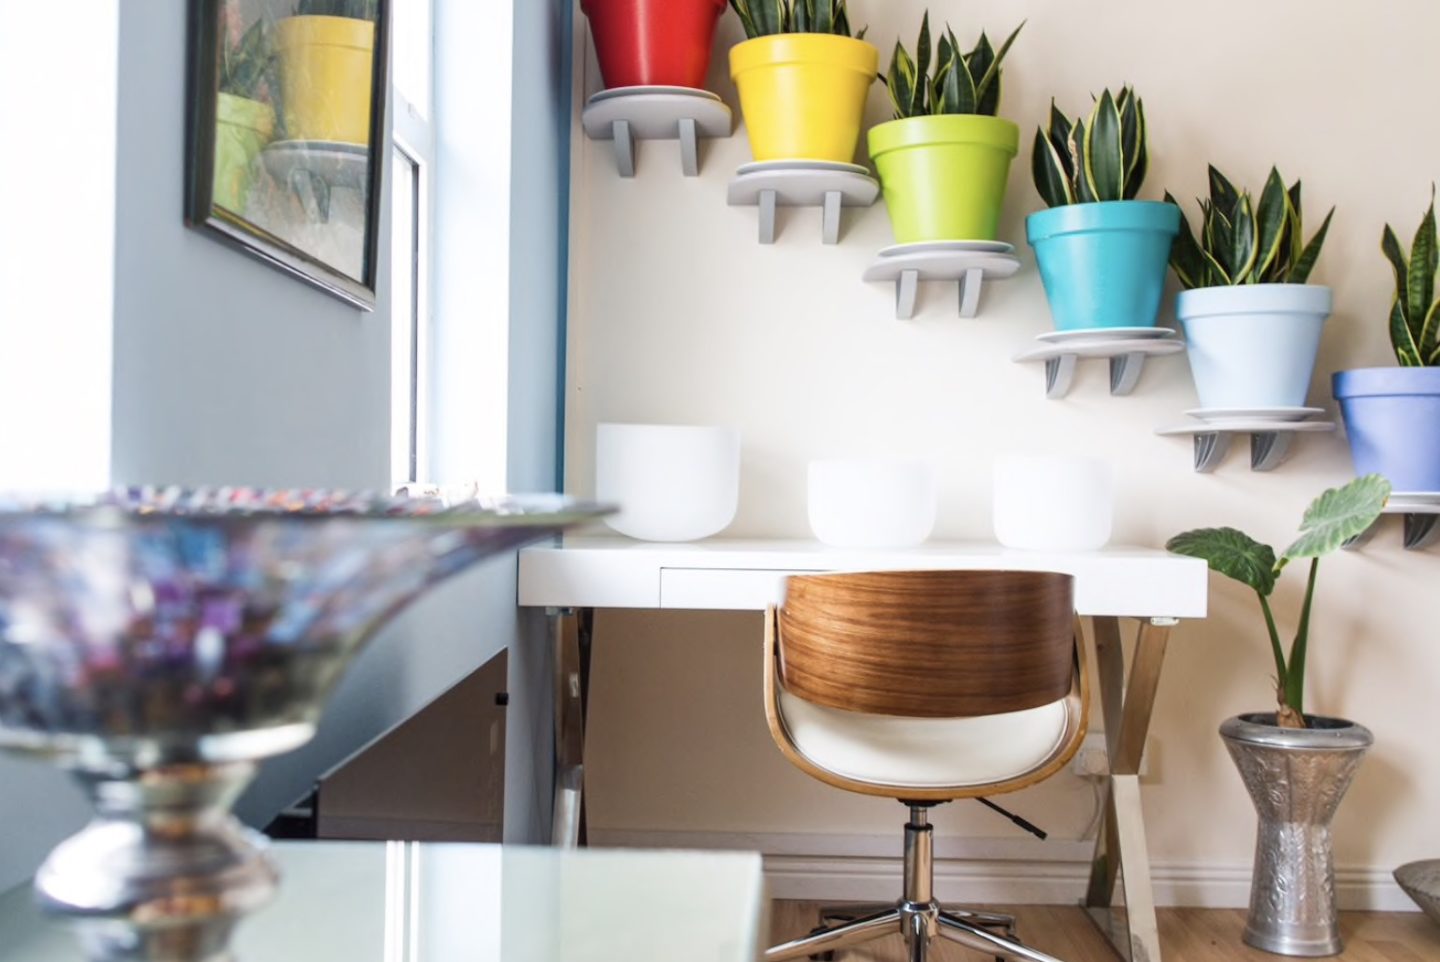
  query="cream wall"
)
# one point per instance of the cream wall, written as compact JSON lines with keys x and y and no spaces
{"x":678,"y":315}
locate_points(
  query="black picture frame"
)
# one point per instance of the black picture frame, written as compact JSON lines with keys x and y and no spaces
{"x":201,"y":211}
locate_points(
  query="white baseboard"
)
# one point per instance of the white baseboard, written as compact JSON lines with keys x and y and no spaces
{"x":978,"y":870}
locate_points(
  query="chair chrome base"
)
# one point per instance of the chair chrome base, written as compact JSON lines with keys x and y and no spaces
{"x":917,"y":915}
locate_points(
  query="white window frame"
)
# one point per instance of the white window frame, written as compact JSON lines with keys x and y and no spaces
{"x":413,"y":135}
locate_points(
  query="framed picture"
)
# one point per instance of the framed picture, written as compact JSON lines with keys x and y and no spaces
{"x":285,"y":134}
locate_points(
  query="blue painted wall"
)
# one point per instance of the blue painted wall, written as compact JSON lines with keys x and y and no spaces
{"x":226,"y":371}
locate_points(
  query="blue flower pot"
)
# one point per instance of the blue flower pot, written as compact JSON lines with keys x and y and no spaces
{"x":1103,"y":264}
{"x":1392,"y":416}
{"x":1253,"y":345}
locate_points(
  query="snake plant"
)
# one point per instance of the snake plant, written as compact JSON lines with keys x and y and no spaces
{"x":1415,"y":313}
{"x":963,"y":83}
{"x":1102,"y":158}
{"x":247,"y":62}
{"x":1247,"y":242}
{"x":763,"y":18}
{"x":1332,"y":519}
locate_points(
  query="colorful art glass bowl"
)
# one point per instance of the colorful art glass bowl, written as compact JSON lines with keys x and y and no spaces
{"x":158,"y":642}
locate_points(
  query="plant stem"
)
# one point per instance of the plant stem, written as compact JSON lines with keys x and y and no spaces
{"x":1295,"y":680}
{"x":1281,"y":674}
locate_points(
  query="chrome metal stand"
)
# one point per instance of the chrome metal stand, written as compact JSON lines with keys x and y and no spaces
{"x":164,"y":871}
{"x":917,"y":915}
{"x":1120,"y":850}
{"x":574,"y":630}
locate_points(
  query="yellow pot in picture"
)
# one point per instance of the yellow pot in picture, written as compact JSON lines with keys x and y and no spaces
{"x":326,"y":66}
{"x":803,"y":94}
{"x":242,"y":128}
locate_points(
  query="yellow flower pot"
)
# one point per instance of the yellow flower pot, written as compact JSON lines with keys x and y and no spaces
{"x":803,"y":94}
{"x":326,"y":66}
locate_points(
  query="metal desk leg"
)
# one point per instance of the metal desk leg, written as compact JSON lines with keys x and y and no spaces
{"x":573,"y":629}
{"x":1120,"y":849}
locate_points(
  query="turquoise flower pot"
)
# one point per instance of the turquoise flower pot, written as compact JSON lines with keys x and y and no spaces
{"x":1103,"y":264}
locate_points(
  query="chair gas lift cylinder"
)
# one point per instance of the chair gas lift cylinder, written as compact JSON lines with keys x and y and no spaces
{"x":999,"y":702}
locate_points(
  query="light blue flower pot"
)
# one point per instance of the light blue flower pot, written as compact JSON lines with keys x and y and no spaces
{"x":1253,"y":345}
{"x":1103,"y":264}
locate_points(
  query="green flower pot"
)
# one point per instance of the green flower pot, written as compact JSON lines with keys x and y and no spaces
{"x":242,"y":129}
{"x":944,"y":176}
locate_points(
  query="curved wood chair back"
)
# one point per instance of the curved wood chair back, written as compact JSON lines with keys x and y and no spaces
{"x":929,"y":644}
{"x":1030,"y":597}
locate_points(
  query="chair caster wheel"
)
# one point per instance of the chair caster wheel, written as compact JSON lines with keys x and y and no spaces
{"x":829,"y":954}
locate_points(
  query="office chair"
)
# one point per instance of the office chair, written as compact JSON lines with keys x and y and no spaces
{"x":925,"y":687}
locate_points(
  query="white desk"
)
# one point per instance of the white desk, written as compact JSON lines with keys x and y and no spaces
{"x":723,"y":575}
{"x":1157,"y":588}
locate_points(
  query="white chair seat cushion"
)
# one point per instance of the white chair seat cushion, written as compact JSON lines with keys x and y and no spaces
{"x":924,"y":752}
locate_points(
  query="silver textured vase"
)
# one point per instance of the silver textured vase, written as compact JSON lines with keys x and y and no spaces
{"x":1296,"y":778}
{"x":160,"y":643}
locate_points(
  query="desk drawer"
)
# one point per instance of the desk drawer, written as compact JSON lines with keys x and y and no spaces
{"x":722,"y":589}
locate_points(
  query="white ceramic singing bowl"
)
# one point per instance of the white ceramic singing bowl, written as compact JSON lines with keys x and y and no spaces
{"x":872,"y":503}
{"x":672,"y":482}
{"x":1052,"y":503}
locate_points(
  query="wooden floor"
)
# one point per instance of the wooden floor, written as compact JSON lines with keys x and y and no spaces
{"x":1186,"y":935}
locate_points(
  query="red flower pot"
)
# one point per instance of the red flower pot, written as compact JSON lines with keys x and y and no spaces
{"x":653,"y":42}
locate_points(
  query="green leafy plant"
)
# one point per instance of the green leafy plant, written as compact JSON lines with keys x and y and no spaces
{"x":1415,"y":313}
{"x":1102,"y":158}
{"x":1246,"y":242}
{"x":354,"y":9}
{"x":1332,"y":519}
{"x":963,"y":83}
{"x":248,"y":63}
{"x":763,"y":18}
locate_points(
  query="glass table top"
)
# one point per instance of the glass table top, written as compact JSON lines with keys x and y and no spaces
{"x":408,"y":902}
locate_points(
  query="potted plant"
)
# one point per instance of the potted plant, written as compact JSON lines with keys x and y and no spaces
{"x":944,"y":159}
{"x":1101,"y":252}
{"x":1392,"y":414}
{"x":244,"y":119}
{"x":1251,"y":321}
{"x":803,"y":79}
{"x":327,"y":56}
{"x":644,"y":43}
{"x":1296,"y":766}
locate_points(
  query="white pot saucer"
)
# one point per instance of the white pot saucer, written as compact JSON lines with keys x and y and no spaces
{"x":1252,"y":414}
{"x":1106,"y":334}
{"x":614,"y":92}
{"x":338,"y":164}
{"x":768,"y":166}
{"x":1399,"y":500}
{"x":949,"y":247}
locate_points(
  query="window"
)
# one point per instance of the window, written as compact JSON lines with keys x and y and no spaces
{"x":412,"y":155}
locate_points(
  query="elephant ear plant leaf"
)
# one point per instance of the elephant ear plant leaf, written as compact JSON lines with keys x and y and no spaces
{"x":1233,"y":553}
{"x":1243,"y":241}
{"x":1415,"y":312}
{"x":765,"y":18}
{"x":1100,"y":158}
{"x":963,"y":83}
{"x":1336,"y":517}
